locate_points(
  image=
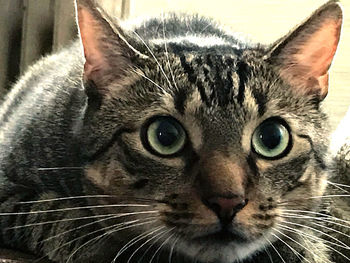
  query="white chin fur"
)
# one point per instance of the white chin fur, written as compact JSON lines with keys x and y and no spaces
{"x":230,"y":253}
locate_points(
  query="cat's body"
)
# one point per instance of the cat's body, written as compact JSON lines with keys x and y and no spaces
{"x":70,"y":141}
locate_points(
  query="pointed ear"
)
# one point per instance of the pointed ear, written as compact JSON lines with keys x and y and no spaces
{"x":304,"y":56}
{"x":107,"y":53}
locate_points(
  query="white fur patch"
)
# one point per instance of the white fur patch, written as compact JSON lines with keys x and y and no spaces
{"x":201,"y":41}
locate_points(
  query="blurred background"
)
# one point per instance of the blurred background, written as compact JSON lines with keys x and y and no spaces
{"x":30,"y":29}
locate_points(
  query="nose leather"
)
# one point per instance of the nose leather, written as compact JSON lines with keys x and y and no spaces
{"x":226,"y":208}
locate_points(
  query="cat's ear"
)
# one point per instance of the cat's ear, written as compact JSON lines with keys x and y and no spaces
{"x":108,"y":54}
{"x":304,"y":56}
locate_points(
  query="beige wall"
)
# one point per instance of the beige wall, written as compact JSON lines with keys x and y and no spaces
{"x":265,"y":21}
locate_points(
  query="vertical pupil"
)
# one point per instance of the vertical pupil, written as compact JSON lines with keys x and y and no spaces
{"x":270,"y":136}
{"x":167,"y":133}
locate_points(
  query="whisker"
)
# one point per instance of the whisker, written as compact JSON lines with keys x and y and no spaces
{"x":318,"y":231}
{"x":72,"y":208}
{"x":148,"y":240}
{"x":290,"y":229}
{"x":59,"y":168}
{"x":274,"y":249}
{"x":154,"y":242}
{"x":317,"y":213}
{"x":93,"y":232}
{"x":61,"y":220}
{"x":338,"y":187}
{"x":66,"y":198}
{"x":172,"y":249}
{"x":298,"y":243}
{"x":167,"y":53}
{"x":160,"y":247}
{"x":116,"y":229}
{"x":342,"y":185}
{"x":147,"y":78}
{"x":268,"y":254}
{"x":156,"y":60}
{"x":290,"y":215}
{"x":135,"y":240}
{"x":98,"y":221}
{"x":338,"y":252}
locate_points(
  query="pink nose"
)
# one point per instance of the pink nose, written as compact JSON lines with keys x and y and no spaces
{"x":226,"y":208}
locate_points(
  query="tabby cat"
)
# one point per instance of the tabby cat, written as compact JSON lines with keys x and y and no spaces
{"x":174,"y":141}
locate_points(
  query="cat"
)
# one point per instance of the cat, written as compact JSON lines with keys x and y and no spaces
{"x":174,"y":141}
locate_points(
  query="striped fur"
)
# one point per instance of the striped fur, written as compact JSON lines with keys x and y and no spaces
{"x":78,"y":185}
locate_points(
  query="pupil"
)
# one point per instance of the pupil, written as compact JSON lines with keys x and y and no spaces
{"x":270,"y":136}
{"x":167,"y":133}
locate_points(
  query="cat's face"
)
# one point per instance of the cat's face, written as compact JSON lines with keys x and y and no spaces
{"x":214,"y":145}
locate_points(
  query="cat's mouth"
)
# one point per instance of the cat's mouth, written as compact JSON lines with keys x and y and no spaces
{"x":223,"y":236}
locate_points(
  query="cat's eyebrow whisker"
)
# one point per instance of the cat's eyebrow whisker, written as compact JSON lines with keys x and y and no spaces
{"x":315,"y":238}
{"x":66,"y":198}
{"x":162,"y":245}
{"x":72,"y":208}
{"x":274,"y":248}
{"x":115,"y":227}
{"x":98,"y":221}
{"x":293,"y":230}
{"x":147,"y":78}
{"x":318,"y":231}
{"x":137,"y":239}
{"x":156,"y":60}
{"x":167,"y":53}
{"x":299,"y":256}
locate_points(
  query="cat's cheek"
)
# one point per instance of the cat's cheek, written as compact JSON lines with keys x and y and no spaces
{"x":254,"y":222}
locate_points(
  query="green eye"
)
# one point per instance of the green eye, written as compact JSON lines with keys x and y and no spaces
{"x":271,"y":139}
{"x":164,"y":136}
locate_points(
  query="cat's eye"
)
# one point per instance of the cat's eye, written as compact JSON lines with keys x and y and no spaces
{"x":164,"y":136}
{"x":271,"y":139}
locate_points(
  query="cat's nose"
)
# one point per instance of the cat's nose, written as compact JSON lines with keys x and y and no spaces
{"x":226,"y":208}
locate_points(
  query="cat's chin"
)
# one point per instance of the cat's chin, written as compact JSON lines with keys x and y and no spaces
{"x":223,"y":246}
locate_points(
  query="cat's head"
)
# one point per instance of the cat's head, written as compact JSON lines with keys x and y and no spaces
{"x":215,"y":143}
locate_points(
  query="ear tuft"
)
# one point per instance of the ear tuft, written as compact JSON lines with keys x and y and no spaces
{"x":304,"y":56}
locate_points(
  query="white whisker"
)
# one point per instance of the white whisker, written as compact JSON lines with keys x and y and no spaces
{"x":318,"y":231}
{"x":66,"y":198}
{"x":274,"y":249}
{"x":98,"y":221}
{"x":290,"y":229}
{"x":172,"y":249}
{"x":167,"y":53}
{"x":160,"y":247}
{"x":147,"y":78}
{"x":59,"y":168}
{"x":115,"y":229}
{"x":156,"y":60}
{"x":135,"y":240}
{"x":298,"y":243}
{"x":146,"y":242}
{"x":72,"y":208}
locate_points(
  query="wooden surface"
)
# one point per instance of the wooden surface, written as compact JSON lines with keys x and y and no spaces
{"x":265,"y":21}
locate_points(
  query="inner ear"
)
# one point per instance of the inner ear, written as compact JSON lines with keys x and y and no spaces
{"x":304,"y":56}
